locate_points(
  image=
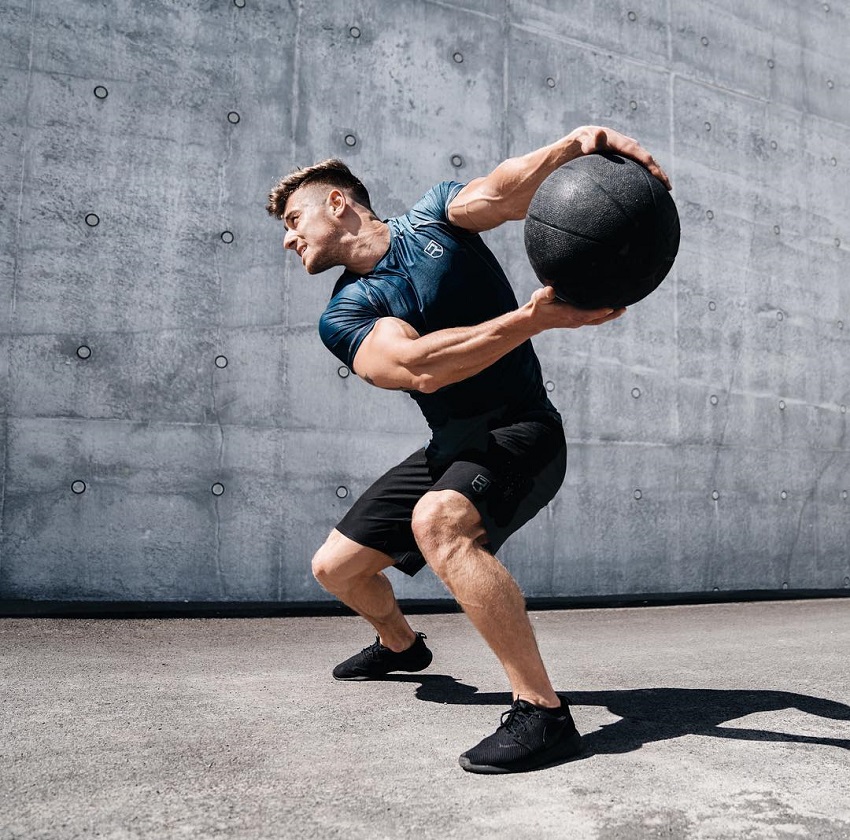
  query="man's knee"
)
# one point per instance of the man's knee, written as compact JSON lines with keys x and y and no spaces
{"x":341,"y":560}
{"x":441,"y":520}
{"x":330,"y":563}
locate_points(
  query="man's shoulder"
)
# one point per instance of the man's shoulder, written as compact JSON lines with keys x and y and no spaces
{"x":434,"y":204}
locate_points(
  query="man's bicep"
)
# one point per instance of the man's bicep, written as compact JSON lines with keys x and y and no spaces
{"x":381,"y":357}
{"x":464,"y":210}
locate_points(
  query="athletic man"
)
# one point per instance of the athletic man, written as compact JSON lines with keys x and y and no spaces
{"x":424,"y":307}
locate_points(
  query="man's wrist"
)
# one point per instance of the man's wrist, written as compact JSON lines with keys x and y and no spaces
{"x":569,"y":147}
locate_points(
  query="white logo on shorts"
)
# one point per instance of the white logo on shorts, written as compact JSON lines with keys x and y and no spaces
{"x":480,"y":483}
{"x":434,"y":249}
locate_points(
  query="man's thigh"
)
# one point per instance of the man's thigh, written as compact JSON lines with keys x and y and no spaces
{"x":380,"y":519}
{"x":342,"y":558}
{"x":520,"y":472}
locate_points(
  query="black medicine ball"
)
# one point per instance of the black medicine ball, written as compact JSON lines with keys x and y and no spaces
{"x":603,"y":231}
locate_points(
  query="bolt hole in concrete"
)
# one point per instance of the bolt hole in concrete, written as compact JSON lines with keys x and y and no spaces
{"x":633,"y":105}
{"x":221,"y":361}
{"x":776,"y":229}
{"x":92,"y":219}
{"x":782,"y":405}
{"x":713,"y":400}
{"x":709,"y":214}
{"x":774,"y":145}
{"x":712,"y":306}
{"x":84,"y":352}
{"x":240,"y":4}
{"x":780,"y":316}
{"x":837,"y":242}
{"x":341,"y":492}
{"x":550,"y":82}
{"x":217,"y":489}
{"x":632,"y":17}
{"x":457,"y":161}
{"x":638,"y":495}
{"x":101,"y":92}
{"x":343,"y":372}
{"x":843,"y":409}
{"x":635,"y":392}
{"x":707,"y":125}
{"x":783,"y":495}
{"x":350,"y":140}
{"x":78,"y":487}
{"x":233,"y":117}
{"x":227,"y":237}
{"x":830,"y":84}
{"x":354,"y":32}
{"x":704,"y":41}
{"x":715,"y":495}
{"x":458,"y":58}
{"x":550,"y":386}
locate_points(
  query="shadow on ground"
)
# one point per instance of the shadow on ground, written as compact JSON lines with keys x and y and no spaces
{"x":657,"y":714}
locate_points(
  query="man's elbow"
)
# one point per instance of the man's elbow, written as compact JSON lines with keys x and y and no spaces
{"x":427,"y":383}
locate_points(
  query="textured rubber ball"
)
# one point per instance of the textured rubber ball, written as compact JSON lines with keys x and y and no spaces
{"x":603,"y":231}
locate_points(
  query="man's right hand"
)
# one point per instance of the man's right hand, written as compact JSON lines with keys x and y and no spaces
{"x":547,"y":312}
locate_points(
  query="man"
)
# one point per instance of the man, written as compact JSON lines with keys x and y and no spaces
{"x":424,"y":307}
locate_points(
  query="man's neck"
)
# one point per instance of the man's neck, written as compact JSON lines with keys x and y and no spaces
{"x":369,"y":247}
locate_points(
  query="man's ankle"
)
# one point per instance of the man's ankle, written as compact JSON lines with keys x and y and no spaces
{"x":398,"y":644}
{"x":542,"y":701}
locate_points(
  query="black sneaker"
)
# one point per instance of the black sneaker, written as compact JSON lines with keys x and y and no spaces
{"x":529,"y":737}
{"x":377,"y":661}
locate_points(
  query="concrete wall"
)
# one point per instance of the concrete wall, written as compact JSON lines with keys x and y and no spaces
{"x":214,"y":438}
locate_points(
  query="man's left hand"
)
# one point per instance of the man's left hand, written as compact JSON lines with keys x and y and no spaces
{"x":595,"y":138}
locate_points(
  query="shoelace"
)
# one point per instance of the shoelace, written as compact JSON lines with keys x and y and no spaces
{"x":372,"y":650}
{"x":515,"y":720}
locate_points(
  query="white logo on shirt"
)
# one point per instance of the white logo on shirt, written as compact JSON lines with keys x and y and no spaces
{"x":434,"y":249}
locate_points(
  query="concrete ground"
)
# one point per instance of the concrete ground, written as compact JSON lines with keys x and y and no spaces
{"x":711,"y":721}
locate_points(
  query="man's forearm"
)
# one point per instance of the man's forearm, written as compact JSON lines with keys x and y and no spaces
{"x":505,"y":193}
{"x":447,"y":356}
{"x":517,"y":179}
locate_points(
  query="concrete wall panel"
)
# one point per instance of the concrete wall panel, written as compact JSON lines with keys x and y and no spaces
{"x":637,"y":30}
{"x":206,"y":369}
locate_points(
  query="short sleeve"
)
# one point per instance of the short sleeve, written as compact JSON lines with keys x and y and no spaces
{"x":433,"y":206}
{"x":347,"y":320}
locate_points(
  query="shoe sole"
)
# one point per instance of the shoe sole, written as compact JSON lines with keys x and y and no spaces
{"x":559,"y":752}
{"x":362,"y":677}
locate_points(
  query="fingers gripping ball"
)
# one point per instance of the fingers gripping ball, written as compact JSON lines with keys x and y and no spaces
{"x":603,"y":231}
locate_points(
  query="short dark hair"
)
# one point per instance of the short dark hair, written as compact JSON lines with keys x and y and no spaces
{"x":332,"y":172}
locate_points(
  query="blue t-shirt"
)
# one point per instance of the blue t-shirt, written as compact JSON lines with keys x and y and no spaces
{"x":435,"y":276}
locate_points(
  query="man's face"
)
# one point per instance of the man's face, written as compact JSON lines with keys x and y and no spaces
{"x":312,"y":226}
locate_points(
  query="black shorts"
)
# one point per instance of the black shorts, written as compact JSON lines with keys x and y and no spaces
{"x":518,"y":473}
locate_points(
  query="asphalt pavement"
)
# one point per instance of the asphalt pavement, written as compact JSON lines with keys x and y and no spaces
{"x":709,"y":721}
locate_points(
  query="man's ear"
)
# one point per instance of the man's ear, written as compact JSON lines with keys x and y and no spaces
{"x":337,"y":201}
